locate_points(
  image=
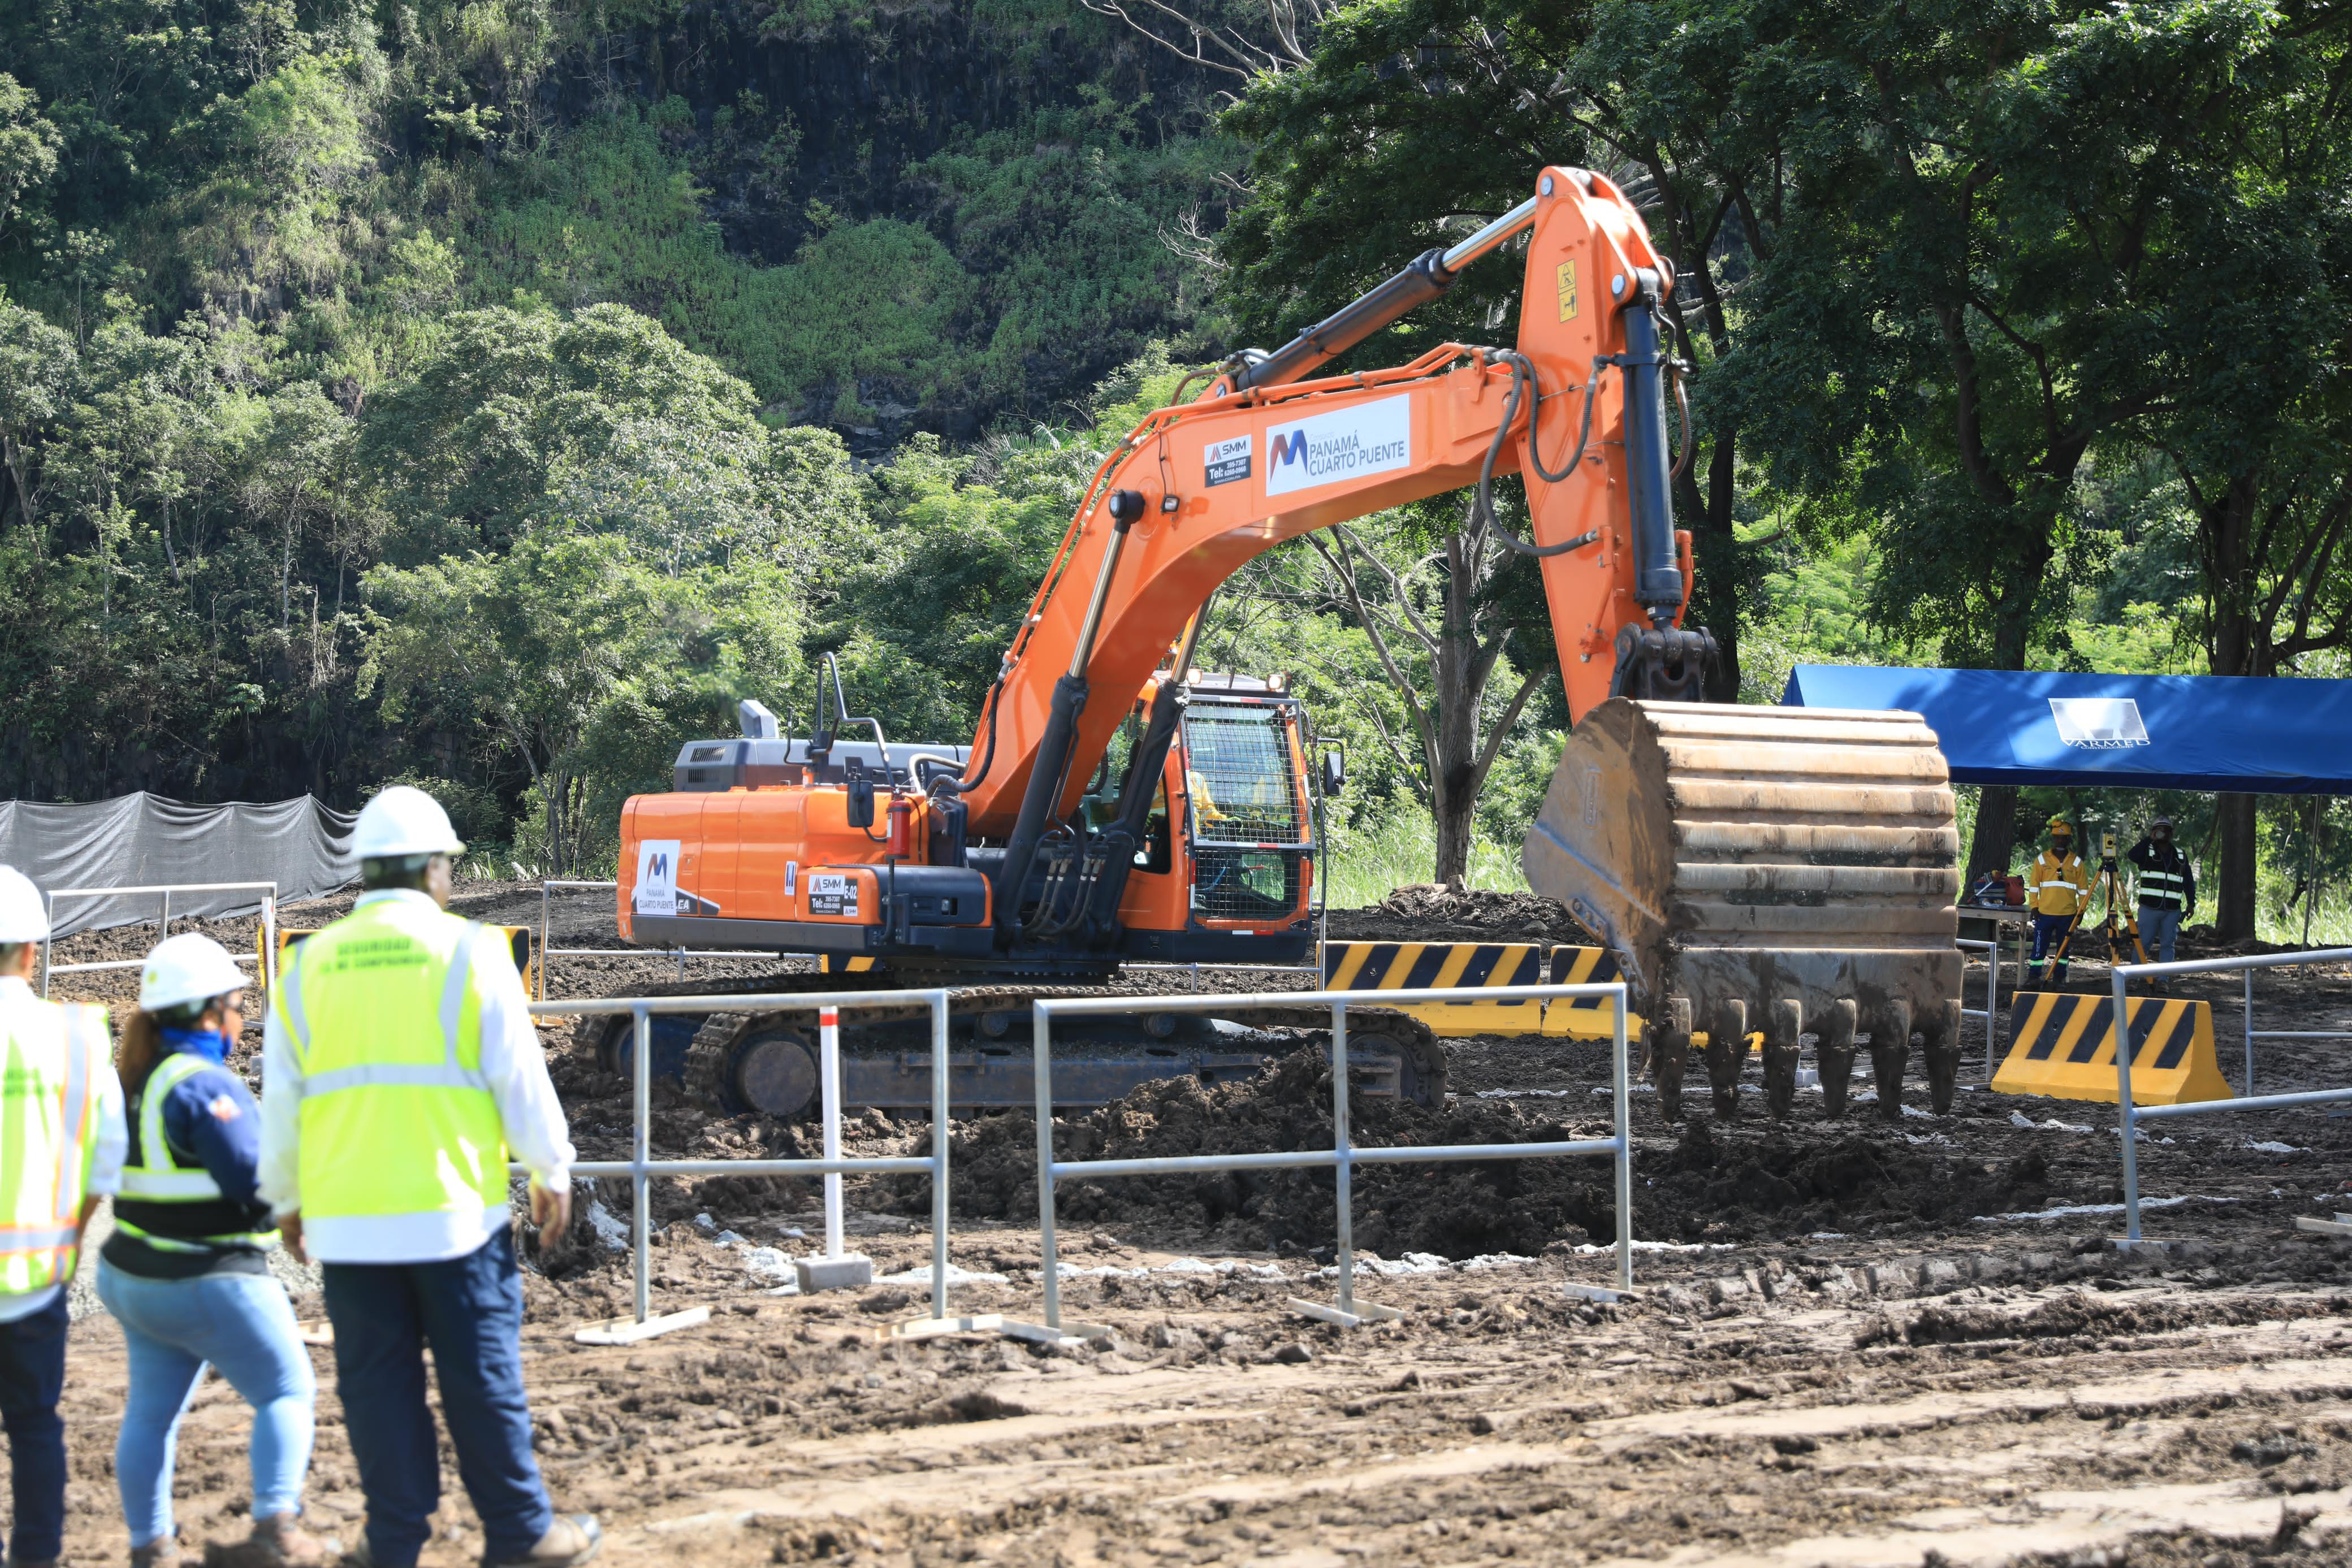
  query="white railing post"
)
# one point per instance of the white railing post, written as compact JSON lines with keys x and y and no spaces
{"x":641,"y":1072}
{"x":2121,"y":1030}
{"x":828,"y":1047}
{"x":1042,"y":1071}
{"x":1619,"y":1057}
{"x":1343,"y":1167}
{"x":2247,"y":1088}
{"x":940,"y":1193}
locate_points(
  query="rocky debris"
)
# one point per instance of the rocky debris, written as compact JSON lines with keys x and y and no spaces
{"x":1430,"y":912}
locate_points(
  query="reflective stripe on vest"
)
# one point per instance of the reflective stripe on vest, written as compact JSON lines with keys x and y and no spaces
{"x":386,"y":1127}
{"x":47,"y":1053}
{"x":159,"y":1177}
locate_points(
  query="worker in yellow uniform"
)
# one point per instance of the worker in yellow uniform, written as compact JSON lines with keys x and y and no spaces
{"x":62,"y":1143}
{"x":400,"y":1066}
{"x":2056,"y":890}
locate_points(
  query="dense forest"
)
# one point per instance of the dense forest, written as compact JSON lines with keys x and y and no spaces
{"x":487,"y":392}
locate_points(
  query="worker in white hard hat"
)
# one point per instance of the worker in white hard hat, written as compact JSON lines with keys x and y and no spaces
{"x":400,"y":1069}
{"x":186,"y":1271}
{"x":61,"y":1147}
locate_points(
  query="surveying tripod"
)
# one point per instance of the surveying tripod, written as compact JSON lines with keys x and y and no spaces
{"x":2119,"y":917}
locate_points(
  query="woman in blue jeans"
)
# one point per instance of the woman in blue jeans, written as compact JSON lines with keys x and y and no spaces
{"x":188,"y":1271}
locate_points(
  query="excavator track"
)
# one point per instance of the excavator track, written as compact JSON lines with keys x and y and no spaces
{"x":765,"y":1063}
{"x":1769,"y":871}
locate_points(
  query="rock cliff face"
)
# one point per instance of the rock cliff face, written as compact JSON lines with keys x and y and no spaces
{"x":1014,"y":137}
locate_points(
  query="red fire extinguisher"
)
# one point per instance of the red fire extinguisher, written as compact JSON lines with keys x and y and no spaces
{"x":902,"y":829}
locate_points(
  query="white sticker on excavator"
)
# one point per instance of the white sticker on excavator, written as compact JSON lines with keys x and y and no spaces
{"x":657,"y":891}
{"x":833,"y":892}
{"x":1346,"y":444}
{"x":1224,"y":462}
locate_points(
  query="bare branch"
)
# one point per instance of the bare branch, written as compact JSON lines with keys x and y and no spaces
{"x":1423,"y":729}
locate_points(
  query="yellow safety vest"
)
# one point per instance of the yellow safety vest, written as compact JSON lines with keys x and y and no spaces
{"x":2056,"y":887}
{"x":50,"y":1055}
{"x":160,"y":1177}
{"x":397,"y":1117}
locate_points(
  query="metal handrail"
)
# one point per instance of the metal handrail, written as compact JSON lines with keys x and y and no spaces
{"x":641,"y":1167}
{"x":1989,"y":1012}
{"x":2129,"y":1116}
{"x":268,"y":923}
{"x":1343,"y":1156}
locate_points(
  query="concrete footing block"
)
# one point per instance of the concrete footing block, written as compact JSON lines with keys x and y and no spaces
{"x":850,"y":1271}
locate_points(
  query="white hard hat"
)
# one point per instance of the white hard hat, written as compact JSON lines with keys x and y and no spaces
{"x":23,"y":914}
{"x":188,"y":968}
{"x":403,"y":820}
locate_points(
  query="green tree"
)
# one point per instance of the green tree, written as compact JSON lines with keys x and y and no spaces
{"x":1986,"y":230}
{"x":577,"y":658}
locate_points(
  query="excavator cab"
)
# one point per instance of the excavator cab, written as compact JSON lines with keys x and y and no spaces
{"x":1235,"y":882}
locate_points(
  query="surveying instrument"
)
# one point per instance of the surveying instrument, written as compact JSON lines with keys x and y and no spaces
{"x":2119,"y":917}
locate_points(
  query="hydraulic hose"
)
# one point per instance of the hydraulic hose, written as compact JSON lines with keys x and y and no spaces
{"x":1525,"y":390}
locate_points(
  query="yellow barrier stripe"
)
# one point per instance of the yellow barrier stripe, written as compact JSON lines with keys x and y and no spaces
{"x":1353,"y":957}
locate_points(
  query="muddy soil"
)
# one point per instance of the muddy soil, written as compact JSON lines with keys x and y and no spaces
{"x":1857,"y":1341}
{"x":1427,"y":912}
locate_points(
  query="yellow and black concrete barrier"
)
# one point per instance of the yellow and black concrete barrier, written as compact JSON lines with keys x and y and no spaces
{"x":1414,"y":965}
{"x":2062,"y":1046}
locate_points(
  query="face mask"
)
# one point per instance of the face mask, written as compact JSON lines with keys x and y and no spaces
{"x":209,"y":1043}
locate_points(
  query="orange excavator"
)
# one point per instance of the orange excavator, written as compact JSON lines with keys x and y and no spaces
{"x":1759,"y":874}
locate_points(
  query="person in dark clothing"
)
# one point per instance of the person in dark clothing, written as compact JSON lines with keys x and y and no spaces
{"x":186,"y":1271}
{"x":2167,"y":889}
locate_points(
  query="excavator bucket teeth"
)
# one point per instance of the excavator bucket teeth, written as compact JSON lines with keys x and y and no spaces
{"x":1748,"y":858}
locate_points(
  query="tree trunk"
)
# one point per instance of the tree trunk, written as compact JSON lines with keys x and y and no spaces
{"x":1715,"y":597}
{"x":1995,"y":840}
{"x":2226,"y":523}
{"x":2234,"y":904}
{"x":1460,"y":687}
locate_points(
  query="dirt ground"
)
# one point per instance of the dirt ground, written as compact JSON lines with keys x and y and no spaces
{"x":1852,"y":1343}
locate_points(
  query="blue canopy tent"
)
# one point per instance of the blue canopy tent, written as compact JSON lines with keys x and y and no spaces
{"x":2253,"y":737}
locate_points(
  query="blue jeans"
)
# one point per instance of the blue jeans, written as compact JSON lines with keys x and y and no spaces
{"x":2158,"y":929}
{"x":32,"y":1377}
{"x":243,"y":1326}
{"x":469,"y":1309}
{"x":2049,"y":930}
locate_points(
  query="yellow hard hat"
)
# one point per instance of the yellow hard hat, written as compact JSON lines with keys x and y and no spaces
{"x":2060,"y":825}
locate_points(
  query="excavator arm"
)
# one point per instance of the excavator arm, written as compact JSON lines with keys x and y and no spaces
{"x":1208,"y":485}
{"x":1797,"y":863}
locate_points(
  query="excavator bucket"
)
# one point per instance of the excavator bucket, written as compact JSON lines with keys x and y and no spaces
{"x":1765,"y":870}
